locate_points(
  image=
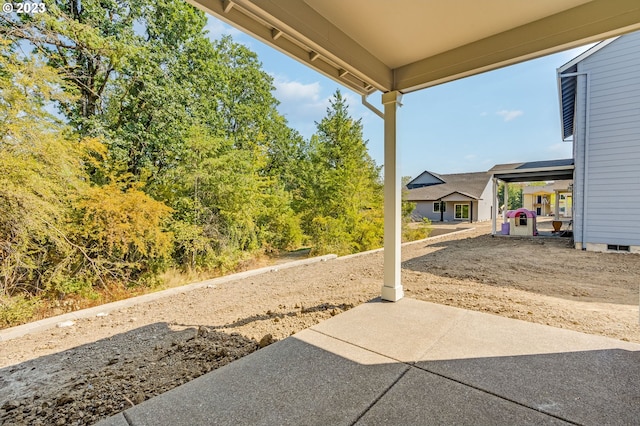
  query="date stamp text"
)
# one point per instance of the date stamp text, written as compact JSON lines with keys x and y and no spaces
{"x":24,"y":7}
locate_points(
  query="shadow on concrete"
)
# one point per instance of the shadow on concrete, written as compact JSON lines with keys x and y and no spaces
{"x":294,"y":382}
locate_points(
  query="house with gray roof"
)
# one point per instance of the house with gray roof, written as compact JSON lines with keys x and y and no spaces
{"x":599,"y":95}
{"x":462,"y":197}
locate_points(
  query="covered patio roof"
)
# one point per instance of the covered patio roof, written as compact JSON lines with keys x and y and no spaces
{"x":534,"y":171}
{"x":406,"y":45}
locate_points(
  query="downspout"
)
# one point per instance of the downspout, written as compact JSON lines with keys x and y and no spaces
{"x":585,"y":166}
{"x":375,"y":110}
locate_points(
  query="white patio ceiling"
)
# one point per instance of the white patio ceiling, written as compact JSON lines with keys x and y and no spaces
{"x":406,"y":45}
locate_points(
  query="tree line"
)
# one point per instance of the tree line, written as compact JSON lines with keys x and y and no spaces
{"x":131,"y":143}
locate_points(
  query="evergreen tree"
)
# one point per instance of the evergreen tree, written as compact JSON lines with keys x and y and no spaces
{"x":342,"y":204}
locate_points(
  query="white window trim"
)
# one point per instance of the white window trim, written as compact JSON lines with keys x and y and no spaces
{"x":455,"y":213}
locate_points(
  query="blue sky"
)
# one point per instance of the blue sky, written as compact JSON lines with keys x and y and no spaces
{"x":504,"y":116}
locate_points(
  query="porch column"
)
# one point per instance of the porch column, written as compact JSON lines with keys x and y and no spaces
{"x":494,"y":212}
{"x":392,"y":286}
{"x":557,"y":205}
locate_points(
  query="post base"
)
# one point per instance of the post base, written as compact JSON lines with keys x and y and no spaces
{"x":392,"y":294}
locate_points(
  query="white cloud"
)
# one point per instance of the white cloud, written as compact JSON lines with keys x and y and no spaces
{"x":470,"y":157}
{"x":294,"y":91}
{"x":509,"y":115}
{"x":217,"y":29}
{"x":302,"y":104}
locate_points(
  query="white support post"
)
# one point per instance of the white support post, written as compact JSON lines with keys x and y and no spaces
{"x":392,"y":286}
{"x":494,"y":215}
{"x":557,"y":206}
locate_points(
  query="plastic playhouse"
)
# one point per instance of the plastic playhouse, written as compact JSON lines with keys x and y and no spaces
{"x":520,"y":222}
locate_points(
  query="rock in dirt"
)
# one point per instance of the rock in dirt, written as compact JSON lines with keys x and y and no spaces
{"x":266,"y":341}
{"x":10,"y":405}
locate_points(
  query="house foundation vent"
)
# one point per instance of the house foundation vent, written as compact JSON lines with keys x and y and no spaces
{"x":616,"y":247}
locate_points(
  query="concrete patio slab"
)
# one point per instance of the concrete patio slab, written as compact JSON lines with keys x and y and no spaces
{"x":413,"y":362}
{"x":403,"y":330}
{"x":421,"y":398}
{"x":477,"y":334}
{"x":290,"y":382}
{"x":412,"y":330}
{"x":587,"y":387}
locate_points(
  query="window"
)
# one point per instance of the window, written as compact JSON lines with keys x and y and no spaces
{"x":439,"y":206}
{"x":462,"y":211}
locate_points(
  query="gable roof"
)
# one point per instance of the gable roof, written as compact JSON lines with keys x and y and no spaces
{"x":471,"y":185}
{"x":567,"y":83}
{"x":425,"y":178}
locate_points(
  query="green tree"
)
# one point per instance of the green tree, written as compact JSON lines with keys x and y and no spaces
{"x":516,"y":197}
{"x":225,"y":206}
{"x":40,"y":172}
{"x":86,"y":41}
{"x":190,"y":122}
{"x":343,"y":192}
{"x":56,"y":229}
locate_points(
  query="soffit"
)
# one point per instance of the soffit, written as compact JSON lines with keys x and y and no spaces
{"x":411,"y":31}
{"x":406,"y":45}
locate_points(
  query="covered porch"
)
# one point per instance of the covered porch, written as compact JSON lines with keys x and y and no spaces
{"x":534,"y":171}
{"x":399,"y":47}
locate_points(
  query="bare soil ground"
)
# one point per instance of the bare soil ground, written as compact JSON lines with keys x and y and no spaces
{"x":103,"y":365}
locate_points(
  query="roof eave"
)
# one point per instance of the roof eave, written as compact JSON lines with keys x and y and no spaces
{"x":567,"y":92}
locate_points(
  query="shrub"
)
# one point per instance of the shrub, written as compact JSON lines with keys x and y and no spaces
{"x":17,"y":310}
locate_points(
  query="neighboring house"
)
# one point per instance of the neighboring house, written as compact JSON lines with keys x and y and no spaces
{"x":452,"y":197}
{"x":600,"y":108}
{"x":542,"y":198}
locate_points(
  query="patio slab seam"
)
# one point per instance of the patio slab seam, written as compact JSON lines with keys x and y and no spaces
{"x":488,"y":392}
{"x":382,"y":394}
{"x":128,"y":420}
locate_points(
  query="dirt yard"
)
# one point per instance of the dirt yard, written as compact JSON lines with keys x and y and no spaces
{"x":103,"y":365}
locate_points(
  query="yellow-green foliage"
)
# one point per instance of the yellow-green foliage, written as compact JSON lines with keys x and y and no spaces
{"x":416,"y":231}
{"x":58,"y":233}
{"x":124,"y":228}
{"x":40,"y":173}
{"x":330,"y":236}
{"x":17,"y":310}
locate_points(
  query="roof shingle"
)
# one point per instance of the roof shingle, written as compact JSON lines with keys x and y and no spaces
{"x":469,"y":184}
